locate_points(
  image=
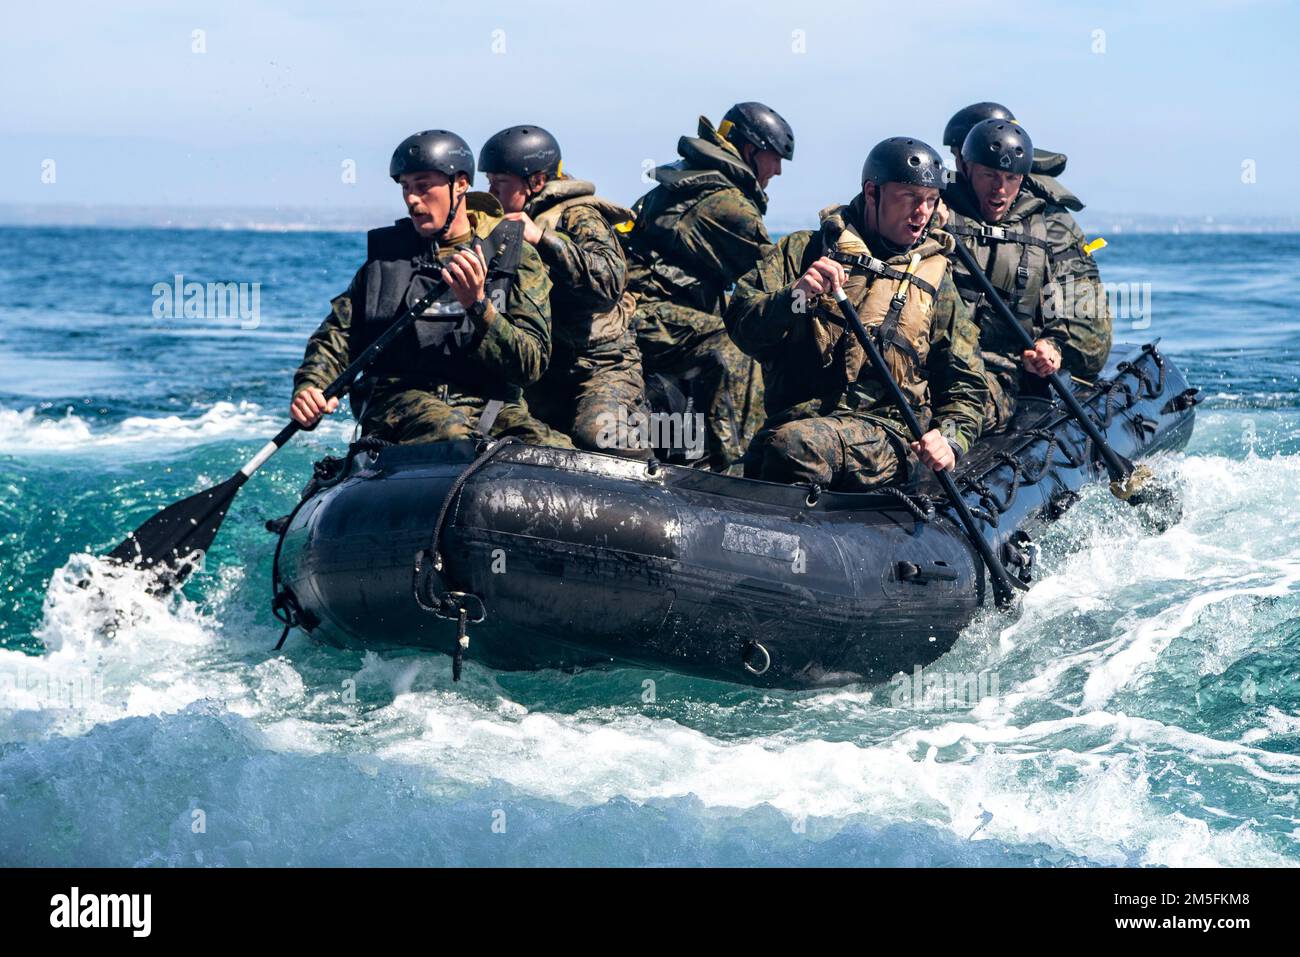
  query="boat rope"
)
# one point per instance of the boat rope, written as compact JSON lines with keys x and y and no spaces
{"x":429,"y":564}
{"x":1058,"y":449}
{"x":921,"y":506}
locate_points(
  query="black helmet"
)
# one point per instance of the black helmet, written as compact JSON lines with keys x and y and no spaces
{"x":439,"y":151}
{"x":1001,"y":144}
{"x":903,"y":159}
{"x":759,"y":125}
{"x":521,"y":150}
{"x":954,"y":134}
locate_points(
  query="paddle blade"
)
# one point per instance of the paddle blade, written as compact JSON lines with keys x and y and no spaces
{"x":1159,"y":504}
{"x":173,"y":542}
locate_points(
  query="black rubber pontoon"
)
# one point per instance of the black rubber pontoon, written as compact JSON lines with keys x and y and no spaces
{"x":573,"y":558}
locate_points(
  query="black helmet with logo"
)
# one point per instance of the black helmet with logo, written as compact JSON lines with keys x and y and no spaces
{"x":522,"y":151}
{"x":904,"y":159}
{"x":438,"y":151}
{"x":1001,"y":144}
{"x":954,"y":134}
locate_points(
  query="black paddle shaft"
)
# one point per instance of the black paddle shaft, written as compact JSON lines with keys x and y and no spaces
{"x":1117,"y":467}
{"x":168,"y":540}
{"x":349,"y":375}
{"x":1003,"y":584}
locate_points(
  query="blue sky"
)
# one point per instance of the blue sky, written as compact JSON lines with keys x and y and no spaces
{"x":1160,"y":122}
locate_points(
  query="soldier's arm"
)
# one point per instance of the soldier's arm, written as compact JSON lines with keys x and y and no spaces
{"x":328,"y":350}
{"x":764,"y":308}
{"x":726,"y":235}
{"x":1076,"y":313}
{"x":516,"y":343}
{"x":956,"y":372}
{"x":585,"y":257}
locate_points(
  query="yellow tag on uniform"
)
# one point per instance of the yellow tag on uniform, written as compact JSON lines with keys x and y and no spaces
{"x":724,"y":128}
{"x":625,"y":226}
{"x":1093,"y":246}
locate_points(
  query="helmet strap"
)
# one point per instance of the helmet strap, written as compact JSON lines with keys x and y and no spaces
{"x":453,"y":207}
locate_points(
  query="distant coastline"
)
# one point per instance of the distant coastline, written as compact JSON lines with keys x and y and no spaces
{"x":360,"y":219}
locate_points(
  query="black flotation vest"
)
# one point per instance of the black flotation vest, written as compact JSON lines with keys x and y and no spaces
{"x":400,"y":268}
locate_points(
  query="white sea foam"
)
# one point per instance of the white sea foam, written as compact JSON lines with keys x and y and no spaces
{"x":1089,"y":781}
{"x":28,"y":434}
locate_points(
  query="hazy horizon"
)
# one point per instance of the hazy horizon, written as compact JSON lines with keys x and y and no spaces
{"x":301,"y":106}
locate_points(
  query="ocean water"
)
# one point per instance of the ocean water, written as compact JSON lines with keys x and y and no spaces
{"x":1143,"y":710}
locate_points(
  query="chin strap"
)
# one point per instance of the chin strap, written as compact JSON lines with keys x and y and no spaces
{"x":453,"y":207}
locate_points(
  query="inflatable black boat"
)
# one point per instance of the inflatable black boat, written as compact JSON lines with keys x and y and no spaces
{"x":525,"y":557}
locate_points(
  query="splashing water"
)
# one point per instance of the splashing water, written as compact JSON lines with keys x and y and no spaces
{"x":1143,"y":709}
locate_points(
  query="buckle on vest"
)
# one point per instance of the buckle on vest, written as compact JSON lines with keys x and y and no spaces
{"x":1022,"y":273}
{"x":869,"y":263}
{"x":995,"y":232}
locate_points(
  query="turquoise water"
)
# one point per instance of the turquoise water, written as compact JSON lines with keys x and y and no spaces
{"x":1146,"y":708}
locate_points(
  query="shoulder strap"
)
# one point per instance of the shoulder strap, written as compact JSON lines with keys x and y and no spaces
{"x":504,"y":248}
{"x":878,"y":268}
{"x":998,"y":234}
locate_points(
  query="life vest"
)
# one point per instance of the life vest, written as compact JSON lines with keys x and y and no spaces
{"x":1017,"y":261}
{"x":894,"y":299}
{"x":576,"y":331}
{"x":400,"y":269}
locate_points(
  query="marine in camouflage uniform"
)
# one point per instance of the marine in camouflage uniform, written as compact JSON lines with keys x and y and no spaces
{"x":830,"y":419}
{"x":1035,"y":255}
{"x":421,"y":403}
{"x":595,"y":367}
{"x":695,"y":234}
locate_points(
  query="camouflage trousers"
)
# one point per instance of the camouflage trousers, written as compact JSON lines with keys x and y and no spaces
{"x":842,"y":452}
{"x":679,"y":341}
{"x":586,"y":396}
{"x":441,"y":414}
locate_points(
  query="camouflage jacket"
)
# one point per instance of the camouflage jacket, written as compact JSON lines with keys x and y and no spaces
{"x":1069,"y":305}
{"x":590,"y":307}
{"x":516,"y":343}
{"x":700,"y":229}
{"x":765,"y":319}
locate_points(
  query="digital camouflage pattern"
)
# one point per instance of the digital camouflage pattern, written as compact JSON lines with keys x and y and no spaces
{"x":696,"y":233}
{"x":596,"y":367}
{"x":824,"y":426}
{"x":1067,"y":304}
{"x":406,"y":408}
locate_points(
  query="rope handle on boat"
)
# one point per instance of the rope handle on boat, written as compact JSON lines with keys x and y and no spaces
{"x":429,"y":565}
{"x":1113,"y":389}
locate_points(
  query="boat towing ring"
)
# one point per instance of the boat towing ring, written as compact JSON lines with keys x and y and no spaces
{"x":751,"y":646}
{"x":454,"y":602}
